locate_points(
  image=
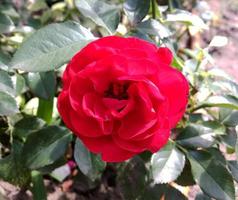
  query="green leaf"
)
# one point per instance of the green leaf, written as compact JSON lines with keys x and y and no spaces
{"x":19,"y":84}
{"x":230,"y":138}
{"x":155,"y":192}
{"x":236,"y":147}
{"x":42,"y":84}
{"x":136,"y":10}
{"x":167,"y":164}
{"x":8,"y":105}
{"x":162,"y":191}
{"x":233,"y":166}
{"x":155,"y":28}
{"x":12,"y":168}
{"x":6,"y":24}
{"x":201,"y":196}
{"x":228,"y":117}
{"x":4,"y":60}
{"x":212,"y":177}
{"x":186,"y":177}
{"x":174,"y":194}
{"x":38,"y":189}
{"x":227,"y":101}
{"x":187,"y":18}
{"x":51,"y":47}
{"x":132,"y":179}
{"x":101,"y":13}
{"x":225,"y":86}
{"x":45,"y":110}
{"x":26,"y":126}
{"x":200,"y":135}
{"x":6,"y":84}
{"x":90,"y":165}
{"x":45,"y":146}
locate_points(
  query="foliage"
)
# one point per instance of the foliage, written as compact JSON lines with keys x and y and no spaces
{"x":37,"y":39}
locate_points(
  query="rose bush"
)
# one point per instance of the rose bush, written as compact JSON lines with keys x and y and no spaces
{"x":121,"y":97}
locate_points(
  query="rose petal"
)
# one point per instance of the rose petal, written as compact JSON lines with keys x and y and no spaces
{"x":85,"y":126}
{"x":110,"y":151}
{"x":64,"y":108}
{"x":175,"y":88}
{"x":141,"y":118}
{"x":165,"y":55}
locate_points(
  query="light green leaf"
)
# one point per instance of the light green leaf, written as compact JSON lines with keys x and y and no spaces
{"x":90,"y":165}
{"x":187,"y":18}
{"x":6,"y":24}
{"x":45,"y":146}
{"x":136,"y":10}
{"x":154,"y":27}
{"x":51,"y":47}
{"x":167,"y":164}
{"x":212,"y":177}
{"x":19,"y":84}
{"x":218,"y":41}
{"x":8,"y":105}
{"x":101,"y":13}
{"x":227,"y":101}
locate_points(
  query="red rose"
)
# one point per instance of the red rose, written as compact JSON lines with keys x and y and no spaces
{"x":121,"y":97}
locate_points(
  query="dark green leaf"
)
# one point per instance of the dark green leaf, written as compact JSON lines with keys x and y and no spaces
{"x":186,"y":177}
{"x":174,"y":194}
{"x":132,"y":179}
{"x":200,"y":135}
{"x":6,"y":24}
{"x":101,"y":13}
{"x":201,"y":196}
{"x":8,"y":105}
{"x":12,"y":168}
{"x":155,"y":28}
{"x":217,"y":155}
{"x":233,"y":166}
{"x":42,"y":84}
{"x":6,"y":84}
{"x":228,"y":117}
{"x":51,"y":47}
{"x":212,"y":177}
{"x":136,"y":10}
{"x":26,"y":126}
{"x":4,"y":60}
{"x":167,"y":164}
{"x":38,"y":189}
{"x":230,"y":138}
{"x":154,"y":192}
{"x":90,"y":165}
{"x":45,"y":146}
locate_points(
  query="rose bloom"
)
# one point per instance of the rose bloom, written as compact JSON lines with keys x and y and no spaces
{"x":121,"y":97}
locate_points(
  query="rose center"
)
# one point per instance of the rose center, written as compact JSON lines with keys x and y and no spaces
{"x":117,"y":91}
